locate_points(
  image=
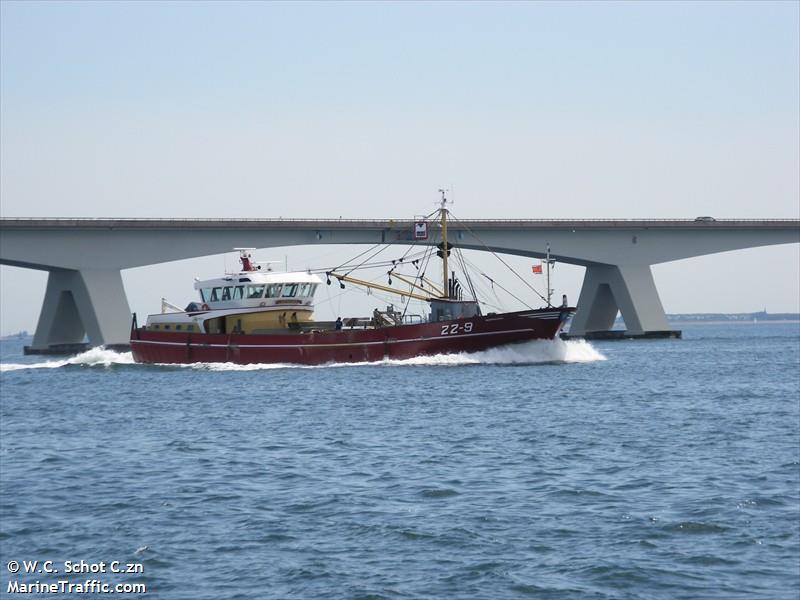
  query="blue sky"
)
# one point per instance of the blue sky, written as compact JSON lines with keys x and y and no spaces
{"x":550,"y":110}
{"x":618,"y":61}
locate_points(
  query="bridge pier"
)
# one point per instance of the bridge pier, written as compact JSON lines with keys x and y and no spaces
{"x":629,"y":289}
{"x":78,"y":303}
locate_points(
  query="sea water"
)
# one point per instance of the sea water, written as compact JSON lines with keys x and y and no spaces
{"x":626,"y":469}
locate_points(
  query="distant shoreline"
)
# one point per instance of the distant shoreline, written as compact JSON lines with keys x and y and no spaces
{"x":731,"y":322}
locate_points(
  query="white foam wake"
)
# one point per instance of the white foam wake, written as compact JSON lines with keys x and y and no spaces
{"x":529,"y":353}
{"x":535,"y":352}
{"x":93,"y":357}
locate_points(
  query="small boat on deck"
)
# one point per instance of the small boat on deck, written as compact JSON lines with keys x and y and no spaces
{"x":257,"y":316}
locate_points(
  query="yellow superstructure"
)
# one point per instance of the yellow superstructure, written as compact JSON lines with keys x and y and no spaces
{"x":272,"y":319}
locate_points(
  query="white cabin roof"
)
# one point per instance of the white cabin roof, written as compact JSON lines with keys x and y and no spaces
{"x":259,"y":277}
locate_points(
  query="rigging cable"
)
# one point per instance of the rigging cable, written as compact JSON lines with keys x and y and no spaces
{"x":501,"y":305}
{"x":477,"y":237}
{"x":356,"y":257}
{"x":364,"y":264}
{"x":365,"y":260}
{"x":460,"y":256}
{"x":384,"y":246}
{"x":421,"y":267}
{"x":506,"y":291}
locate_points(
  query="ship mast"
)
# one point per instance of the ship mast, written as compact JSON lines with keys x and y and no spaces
{"x":549,"y":289}
{"x":416,"y":295}
{"x":443,"y":211}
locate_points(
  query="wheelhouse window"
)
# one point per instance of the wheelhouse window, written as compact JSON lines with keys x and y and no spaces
{"x":215,"y":294}
{"x":255,"y":291}
{"x":274,"y":290}
{"x":307,"y":290}
{"x":238,"y":292}
{"x":226,"y":293}
{"x":289,"y":290}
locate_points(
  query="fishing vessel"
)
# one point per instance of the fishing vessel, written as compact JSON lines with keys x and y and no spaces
{"x":255,"y":315}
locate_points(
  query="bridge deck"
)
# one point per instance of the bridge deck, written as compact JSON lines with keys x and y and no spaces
{"x":84,"y":257}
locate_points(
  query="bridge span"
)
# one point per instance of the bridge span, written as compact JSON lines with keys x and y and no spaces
{"x":84,"y":257}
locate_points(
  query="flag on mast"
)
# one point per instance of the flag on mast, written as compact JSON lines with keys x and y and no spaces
{"x":537,"y":269}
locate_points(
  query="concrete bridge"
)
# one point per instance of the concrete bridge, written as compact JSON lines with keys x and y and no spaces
{"x":85,"y":295}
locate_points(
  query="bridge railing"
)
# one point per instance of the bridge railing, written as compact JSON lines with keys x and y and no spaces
{"x":23,"y":222}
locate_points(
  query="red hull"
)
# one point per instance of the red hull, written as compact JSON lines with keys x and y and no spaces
{"x":349,"y":345}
